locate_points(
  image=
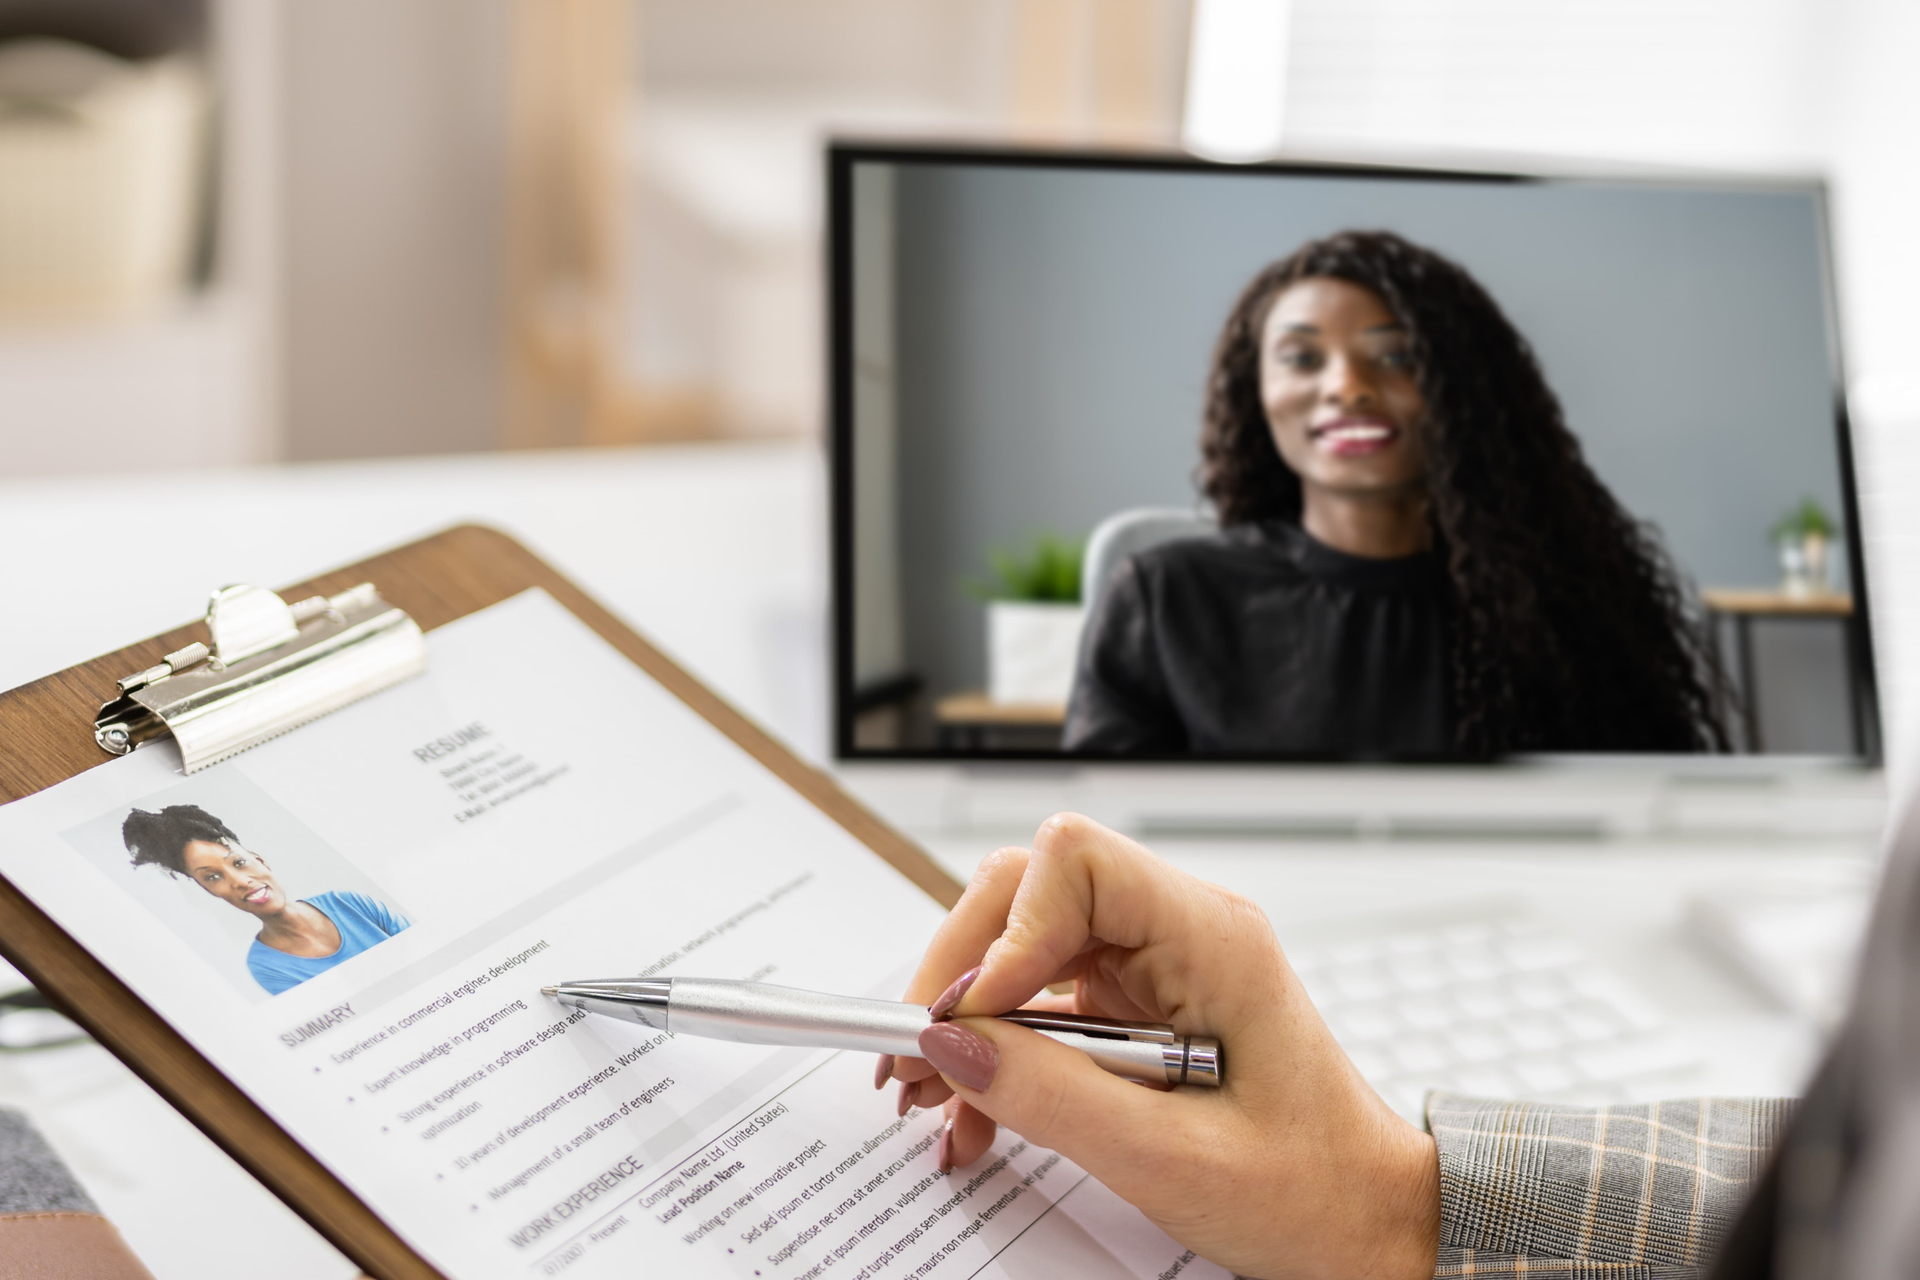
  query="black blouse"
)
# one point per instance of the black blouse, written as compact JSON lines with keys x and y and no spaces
{"x":1259,"y":640}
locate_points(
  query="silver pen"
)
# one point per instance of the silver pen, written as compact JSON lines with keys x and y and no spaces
{"x":759,"y":1013}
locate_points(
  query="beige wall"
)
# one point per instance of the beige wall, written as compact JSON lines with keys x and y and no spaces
{"x":943,"y":51}
{"x":393,"y":187}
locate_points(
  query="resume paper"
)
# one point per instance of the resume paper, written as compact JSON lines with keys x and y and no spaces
{"x":535,"y":809}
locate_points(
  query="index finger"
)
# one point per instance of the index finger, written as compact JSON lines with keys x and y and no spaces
{"x":962,"y":939}
{"x":1081,"y":884}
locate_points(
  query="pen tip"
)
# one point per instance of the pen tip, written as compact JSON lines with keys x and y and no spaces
{"x":549,"y":991}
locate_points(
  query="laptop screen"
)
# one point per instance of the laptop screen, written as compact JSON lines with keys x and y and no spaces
{"x":1149,"y":459}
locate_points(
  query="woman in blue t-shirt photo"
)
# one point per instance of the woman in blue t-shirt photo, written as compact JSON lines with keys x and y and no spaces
{"x":299,"y":937}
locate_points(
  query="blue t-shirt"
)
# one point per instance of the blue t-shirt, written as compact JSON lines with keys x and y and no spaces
{"x":362,"y":921}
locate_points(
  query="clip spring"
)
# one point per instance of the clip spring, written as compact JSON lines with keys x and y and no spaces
{"x":272,"y":666}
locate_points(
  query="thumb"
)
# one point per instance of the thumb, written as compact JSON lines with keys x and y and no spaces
{"x":1049,"y":1094}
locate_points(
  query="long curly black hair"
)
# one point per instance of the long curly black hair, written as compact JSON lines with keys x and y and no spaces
{"x":1569,"y":626}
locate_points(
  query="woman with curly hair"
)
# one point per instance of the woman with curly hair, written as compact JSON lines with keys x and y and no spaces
{"x":1414,"y":559}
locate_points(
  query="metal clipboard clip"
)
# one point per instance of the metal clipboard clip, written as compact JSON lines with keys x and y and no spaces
{"x":273,"y":667}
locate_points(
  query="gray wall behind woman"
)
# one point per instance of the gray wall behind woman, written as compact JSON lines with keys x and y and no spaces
{"x":1054,"y":328}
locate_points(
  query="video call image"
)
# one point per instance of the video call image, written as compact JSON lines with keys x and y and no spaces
{"x":1159,"y":462}
{"x":244,"y":884}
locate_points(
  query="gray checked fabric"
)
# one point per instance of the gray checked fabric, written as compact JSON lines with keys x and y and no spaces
{"x":32,"y":1179}
{"x":1594,"y":1193}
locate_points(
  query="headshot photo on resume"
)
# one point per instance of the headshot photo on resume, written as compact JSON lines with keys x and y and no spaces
{"x":1413,"y":560}
{"x":298,"y":938}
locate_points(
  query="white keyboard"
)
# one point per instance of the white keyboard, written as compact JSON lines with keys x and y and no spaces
{"x":1502,"y":1010}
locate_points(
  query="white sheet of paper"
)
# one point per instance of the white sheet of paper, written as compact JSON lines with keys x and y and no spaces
{"x":537,"y":809}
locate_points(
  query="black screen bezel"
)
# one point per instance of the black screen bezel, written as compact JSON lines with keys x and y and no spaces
{"x":842,"y":156}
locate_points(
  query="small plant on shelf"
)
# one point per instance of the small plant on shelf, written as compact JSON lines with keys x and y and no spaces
{"x":1803,"y":536}
{"x":1048,"y":572}
{"x":1033,"y":621}
{"x":1808,"y":520}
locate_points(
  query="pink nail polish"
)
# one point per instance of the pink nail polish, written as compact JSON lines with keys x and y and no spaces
{"x":907,"y":1088}
{"x":943,"y":1150}
{"x":883,"y":1071}
{"x":942,"y":1009}
{"x":960,"y":1054}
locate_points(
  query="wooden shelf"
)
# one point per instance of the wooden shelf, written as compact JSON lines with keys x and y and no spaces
{"x":975,"y":709}
{"x":1748,"y":600}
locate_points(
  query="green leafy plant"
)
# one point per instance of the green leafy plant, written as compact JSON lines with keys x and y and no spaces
{"x":1808,"y":520}
{"x":1048,"y":571}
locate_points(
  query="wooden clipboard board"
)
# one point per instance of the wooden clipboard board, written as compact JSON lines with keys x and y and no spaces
{"x":47,"y":729}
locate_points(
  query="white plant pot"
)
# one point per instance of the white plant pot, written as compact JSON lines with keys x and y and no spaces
{"x":1803,"y":566}
{"x":1031,"y":649}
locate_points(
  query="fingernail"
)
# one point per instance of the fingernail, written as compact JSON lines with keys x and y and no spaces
{"x":906,"y":1096}
{"x":943,"y":1150}
{"x":883,"y":1071}
{"x":942,"y":1009}
{"x":960,"y":1054}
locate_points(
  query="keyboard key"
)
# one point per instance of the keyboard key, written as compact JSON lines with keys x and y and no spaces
{"x":1417,"y":972}
{"x":1467,"y":935}
{"x":1595,"y":983}
{"x":1474,"y":962}
{"x":1483,"y":1002}
{"x":1486,"y":1082}
{"x":1360,"y":983}
{"x":1421,"y":1054}
{"x":1631,"y":1056}
{"x":1354,"y":952}
{"x":1428,"y":1013}
{"x":1365,"y":1022}
{"x":1538,"y":952}
{"x":1592,"y":1021}
{"x":1479,"y":1044}
{"x":1545,"y":1074}
{"x":1538,"y":991}
{"x":1536,"y":1031}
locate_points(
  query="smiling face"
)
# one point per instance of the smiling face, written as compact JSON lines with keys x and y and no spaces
{"x":1337,"y":384}
{"x":235,"y":875}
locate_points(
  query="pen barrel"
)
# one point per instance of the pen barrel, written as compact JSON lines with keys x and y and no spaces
{"x":1151,"y":1052}
{"x":760,"y":1013}
{"x":1144,"y":1061}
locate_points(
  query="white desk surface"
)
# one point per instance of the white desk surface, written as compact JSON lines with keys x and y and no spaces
{"x":718,"y":554}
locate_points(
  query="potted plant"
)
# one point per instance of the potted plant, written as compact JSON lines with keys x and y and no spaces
{"x":1804,"y":535}
{"x":1033,"y":621}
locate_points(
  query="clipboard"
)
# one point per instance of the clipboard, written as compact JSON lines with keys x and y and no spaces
{"x":50,"y":729}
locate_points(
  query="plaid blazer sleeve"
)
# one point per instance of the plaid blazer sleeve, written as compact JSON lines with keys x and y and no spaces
{"x":1594,"y":1193}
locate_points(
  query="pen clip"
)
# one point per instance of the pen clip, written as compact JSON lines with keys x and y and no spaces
{"x":1096,"y":1027}
{"x":1185,"y":1059}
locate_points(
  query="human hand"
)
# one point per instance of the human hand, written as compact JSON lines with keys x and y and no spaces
{"x":1293,"y":1168}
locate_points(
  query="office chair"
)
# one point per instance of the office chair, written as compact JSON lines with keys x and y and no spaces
{"x":1125,"y":532}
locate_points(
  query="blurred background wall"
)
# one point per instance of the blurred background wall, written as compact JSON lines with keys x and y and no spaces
{"x":392,"y":186}
{"x":420,"y":226}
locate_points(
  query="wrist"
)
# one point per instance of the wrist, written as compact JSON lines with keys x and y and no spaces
{"x":1408,"y":1237}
